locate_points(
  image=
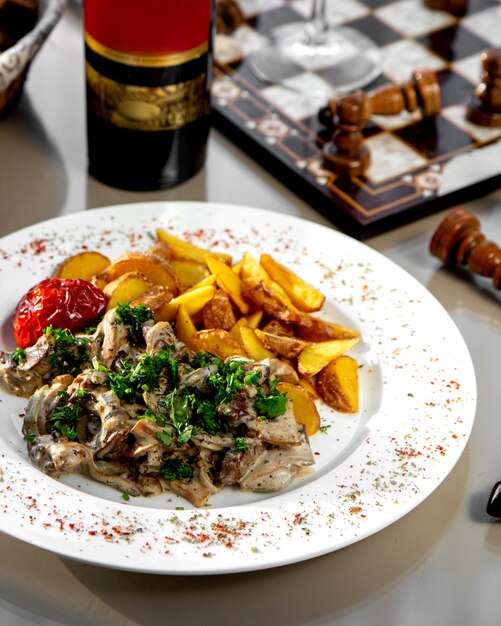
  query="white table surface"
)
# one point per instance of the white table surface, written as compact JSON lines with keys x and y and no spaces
{"x":440,"y":565}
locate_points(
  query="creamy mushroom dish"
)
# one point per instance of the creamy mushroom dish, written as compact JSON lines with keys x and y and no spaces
{"x":129,"y":405}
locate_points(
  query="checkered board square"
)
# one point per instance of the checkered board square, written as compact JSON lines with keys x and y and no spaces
{"x":418,"y":165}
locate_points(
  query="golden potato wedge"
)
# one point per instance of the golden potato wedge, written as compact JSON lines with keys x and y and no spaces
{"x":269,"y":299}
{"x":189,"y":273}
{"x":237,"y":269}
{"x":161,"y":249}
{"x":83,"y":265}
{"x":228,"y":281}
{"x":317,"y":355}
{"x":217,"y":341}
{"x":315,"y":330}
{"x":337,"y":384}
{"x":288,"y":347}
{"x":302,"y":295}
{"x":252,"y":269}
{"x":153,"y":267}
{"x":254,"y":319}
{"x":303,"y":406}
{"x":253,"y":345}
{"x":210,"y":280}
{"x":154,"y":298}
{"x":218,"y":312}
{"x":125,"y":288}
{"x":307,"y":384}
{"x":181,"y":249}
{"x":193,"y":301}
{"x":185,"y":328}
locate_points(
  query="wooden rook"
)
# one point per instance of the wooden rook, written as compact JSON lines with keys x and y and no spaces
{"x":485,"y":107}
{"x":346,"y":153}
{"x":458,"y":240}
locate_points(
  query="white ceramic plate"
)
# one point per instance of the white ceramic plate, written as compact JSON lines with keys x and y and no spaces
{"x":418,"y":398}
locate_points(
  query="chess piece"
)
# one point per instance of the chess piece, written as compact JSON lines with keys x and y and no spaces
{"x":485,"y":107}
{"x":346,"y":153}
{"x":459,"y":240}
{"x":421,"y":92}
{"x":456,"y":7}
{"x":229,"y":16}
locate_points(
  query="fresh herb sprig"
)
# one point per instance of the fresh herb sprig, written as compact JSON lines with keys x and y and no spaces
{"x":68,"y":353}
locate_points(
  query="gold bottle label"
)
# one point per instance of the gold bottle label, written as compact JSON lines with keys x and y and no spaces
{"x":159,"y":108}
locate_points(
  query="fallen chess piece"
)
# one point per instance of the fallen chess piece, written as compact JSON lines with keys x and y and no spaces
{"x":346,"y":153}
{"x":458,"y":240}
{"x":485,"y":107}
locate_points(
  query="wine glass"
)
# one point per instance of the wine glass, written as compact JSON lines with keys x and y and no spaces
{"x":349,"y":58}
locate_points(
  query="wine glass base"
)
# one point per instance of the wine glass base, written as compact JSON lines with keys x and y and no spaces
{"x":348,"y":59}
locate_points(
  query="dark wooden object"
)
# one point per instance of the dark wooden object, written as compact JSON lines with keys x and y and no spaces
{"x":346,"y":153}
{"x":458,"y":240}
{"x":456,"y":7}
{"x":229,"y":16}
{"x":485,"y":107}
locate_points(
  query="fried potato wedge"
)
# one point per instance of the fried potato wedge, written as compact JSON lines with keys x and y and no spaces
{"x":337,"y":384}
{"x":302,"y":295}
{"x":193,"y":301}
{"x":218,"y":312}
{"x":252,"y":269}
{"x":161,"y":249}
{"x":270,"y":300}
{"x":303,"y":406}
{"x":317,"y":355}
{"x":181,"y":249}
{"x":185,"y":328}
{"x":253,"y":345}
{"x":315,"y":330}
{"x":228,"y":281}
{"x":189,"y":273}
{"x":217,"y":341}
{"x":83,"y":265}
{"x":281,"y":345}
{"x":154,"y":298}
{"x":153,"y":267}
{"x":125,"y":288}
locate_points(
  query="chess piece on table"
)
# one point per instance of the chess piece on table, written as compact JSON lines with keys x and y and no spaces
{"x":421,"y":92}
{"x":458,"y":240}
{"x":485,"y":107}
{"x":346,"y":153}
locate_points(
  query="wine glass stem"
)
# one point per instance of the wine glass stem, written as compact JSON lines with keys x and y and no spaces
{"x":319,"y":15}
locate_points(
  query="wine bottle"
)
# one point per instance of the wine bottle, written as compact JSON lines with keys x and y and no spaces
{"x":148,"y":71}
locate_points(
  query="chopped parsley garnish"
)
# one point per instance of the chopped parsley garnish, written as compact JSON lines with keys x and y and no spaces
{"x":18,"y":355}
{"x":64,"y":417}
{"x":175,"y":469}
{"x":69,"y":352}
{"x":240,"y":445}
{"x":134,"y":317}
{"x":129,"y":382}
{"x":30,"y":437}
{"x":273,"y":404}
{"x":164,"y":438}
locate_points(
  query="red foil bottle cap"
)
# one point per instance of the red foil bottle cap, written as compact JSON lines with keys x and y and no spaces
{"x":148,"y":27}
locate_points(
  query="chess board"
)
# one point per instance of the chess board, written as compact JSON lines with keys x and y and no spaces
{"x":418,"y":165}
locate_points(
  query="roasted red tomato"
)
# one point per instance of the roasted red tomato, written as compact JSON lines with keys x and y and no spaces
{"x":58,"y":302}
